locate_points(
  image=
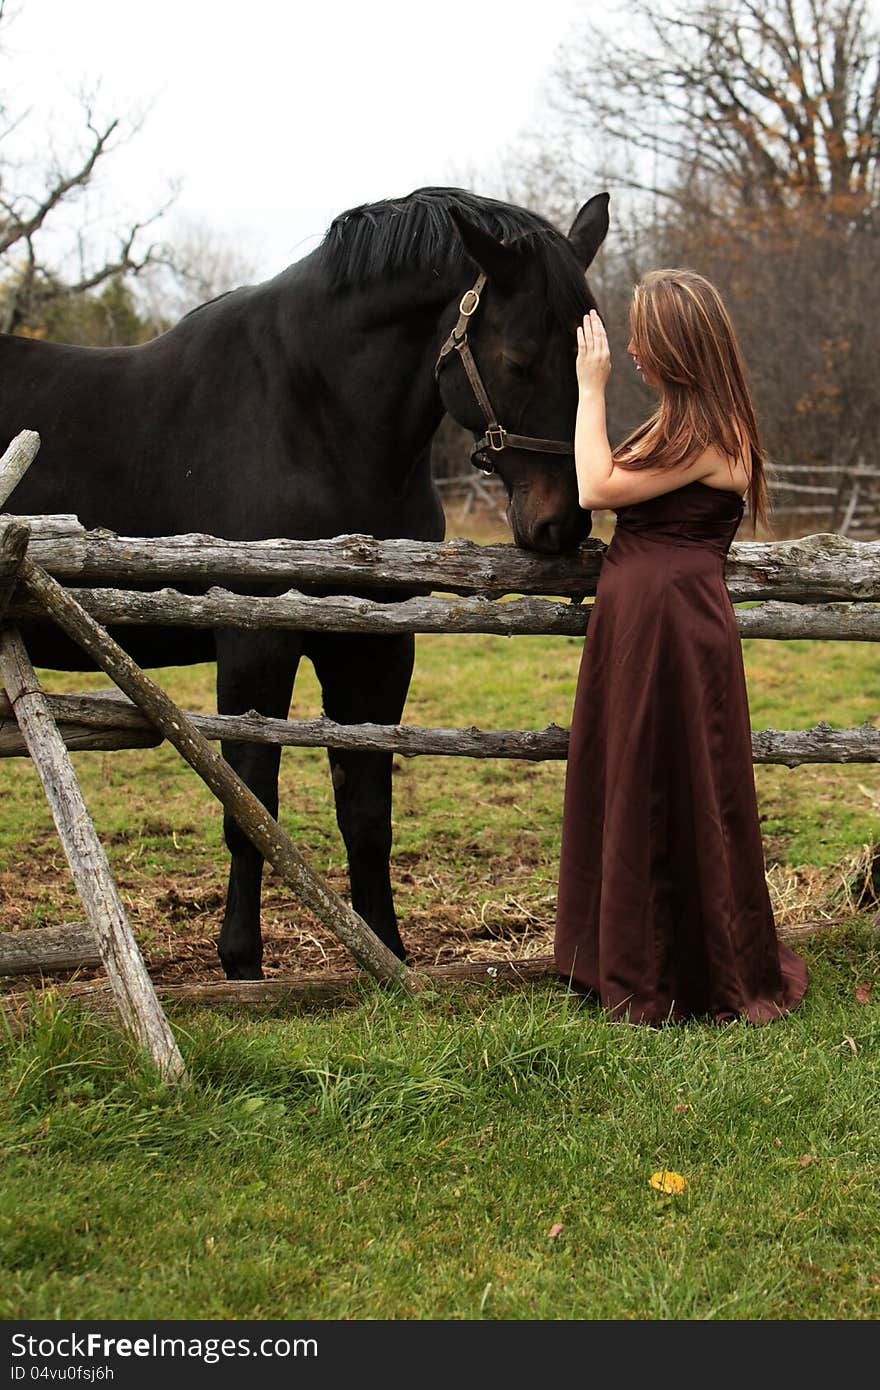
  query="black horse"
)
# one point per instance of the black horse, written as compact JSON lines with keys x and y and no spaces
{"x":305,"y":407}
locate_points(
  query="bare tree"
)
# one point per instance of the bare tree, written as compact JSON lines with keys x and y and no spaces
{"x":772,"y":101}
{"x":33,"y":201}
{"x":742,"y":138}
{"x":202,"y":265}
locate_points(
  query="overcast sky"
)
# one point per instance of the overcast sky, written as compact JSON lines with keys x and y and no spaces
{"x":274,"y":114}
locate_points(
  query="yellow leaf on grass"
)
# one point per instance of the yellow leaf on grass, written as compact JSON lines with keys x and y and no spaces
{"x":664,"y":1180}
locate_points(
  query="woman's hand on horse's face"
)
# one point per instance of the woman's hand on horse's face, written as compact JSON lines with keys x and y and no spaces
{"x":593,"y":365}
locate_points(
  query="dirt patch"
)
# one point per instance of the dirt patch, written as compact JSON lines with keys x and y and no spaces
{"x":177,"y":919}
{"x":447,"y":912}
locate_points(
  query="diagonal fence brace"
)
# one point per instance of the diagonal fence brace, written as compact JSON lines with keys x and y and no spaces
{"x":261,"y":828}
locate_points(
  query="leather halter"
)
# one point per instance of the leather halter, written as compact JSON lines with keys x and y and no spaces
{"x":496,"y":438}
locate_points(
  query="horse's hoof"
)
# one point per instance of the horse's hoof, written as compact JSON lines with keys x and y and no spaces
{"x":242,"y":970}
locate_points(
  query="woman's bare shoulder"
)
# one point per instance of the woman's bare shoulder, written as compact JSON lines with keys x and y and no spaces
{"x":714,"y":468}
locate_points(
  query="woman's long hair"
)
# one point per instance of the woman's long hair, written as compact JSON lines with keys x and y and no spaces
{"x":685,"y":341}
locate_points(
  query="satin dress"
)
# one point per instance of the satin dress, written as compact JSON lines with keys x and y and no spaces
{"x":663,"y":911}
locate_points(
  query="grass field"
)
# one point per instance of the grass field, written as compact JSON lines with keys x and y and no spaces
{"x":410,"y":1159}
{"x":403,"y":1160}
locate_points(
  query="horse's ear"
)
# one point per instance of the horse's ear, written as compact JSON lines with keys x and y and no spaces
{"x":501,"y":263}
{"x":589,"y":228}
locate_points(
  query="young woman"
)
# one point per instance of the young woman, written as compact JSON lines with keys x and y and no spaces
{"x":663,"y":911}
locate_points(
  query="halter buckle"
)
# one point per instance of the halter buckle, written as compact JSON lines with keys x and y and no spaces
{"x":470,"y":298}
{"x":496,"y":435}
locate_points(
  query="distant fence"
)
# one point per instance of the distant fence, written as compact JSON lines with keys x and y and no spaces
{"x":845,"y":499}
{"x":841,"y":499}
{"x":468,"y":492}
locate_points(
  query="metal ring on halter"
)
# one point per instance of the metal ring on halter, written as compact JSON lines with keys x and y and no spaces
{"x":473,"y":307}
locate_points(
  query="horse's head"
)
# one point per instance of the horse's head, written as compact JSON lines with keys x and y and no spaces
{"x":506,"y":370}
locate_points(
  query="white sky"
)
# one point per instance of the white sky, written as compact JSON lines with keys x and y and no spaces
{"x":274,"y":114}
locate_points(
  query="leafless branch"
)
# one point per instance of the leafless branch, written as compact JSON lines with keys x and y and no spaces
{"x":20,"y":228}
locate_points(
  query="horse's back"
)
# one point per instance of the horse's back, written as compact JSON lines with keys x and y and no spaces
{"x":209,"y":428}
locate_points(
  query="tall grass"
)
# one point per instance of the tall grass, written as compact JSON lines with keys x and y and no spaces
{"x":410,"y":1158}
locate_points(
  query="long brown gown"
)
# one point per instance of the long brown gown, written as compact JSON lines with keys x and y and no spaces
{"x":663,"y":911}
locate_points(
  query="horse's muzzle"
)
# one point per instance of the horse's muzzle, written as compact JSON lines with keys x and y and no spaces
{"x":553,"y":536}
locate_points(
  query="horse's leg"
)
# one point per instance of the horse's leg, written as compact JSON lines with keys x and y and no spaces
{"x":365,"y":680}
{"x":254,"y":671}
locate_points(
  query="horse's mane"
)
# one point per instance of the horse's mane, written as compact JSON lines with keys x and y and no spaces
{"x":369,"y":242}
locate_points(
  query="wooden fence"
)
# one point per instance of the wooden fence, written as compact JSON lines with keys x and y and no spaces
{"x":821,"y":586}
{"x":843,"y":499}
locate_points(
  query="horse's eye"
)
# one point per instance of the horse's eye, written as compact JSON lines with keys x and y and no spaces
{"x":515,"y":366}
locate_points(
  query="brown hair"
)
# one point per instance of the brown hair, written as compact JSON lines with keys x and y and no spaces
{"x":685,"y":340}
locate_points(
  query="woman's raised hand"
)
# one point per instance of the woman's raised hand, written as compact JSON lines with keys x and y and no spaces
{"x":593,"y":363}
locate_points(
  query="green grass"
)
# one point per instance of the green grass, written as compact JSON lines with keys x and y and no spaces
{"x":408,"y":1159}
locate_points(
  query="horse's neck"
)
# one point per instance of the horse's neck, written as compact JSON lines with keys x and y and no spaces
{"x":377,"y":349}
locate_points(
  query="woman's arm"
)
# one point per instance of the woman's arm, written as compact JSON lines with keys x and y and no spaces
{"x":592,"y":452}
{"x":601,"y":484}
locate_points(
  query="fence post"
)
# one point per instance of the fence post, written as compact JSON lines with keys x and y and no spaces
{"x":131,"y":985}
{"x":16,"y":462}
{"x":850,"y":508}
{"x":14,"y":535}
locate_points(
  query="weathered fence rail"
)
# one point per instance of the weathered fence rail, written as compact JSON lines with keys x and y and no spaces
{"x":105,"y":720}
{"x":324,"y":987}
{"x":129,"y":982}
{"x":852,"y":492}
{"x":820,"y":568}
{"x":221,"y":608}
